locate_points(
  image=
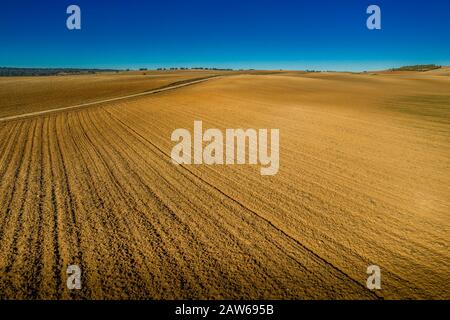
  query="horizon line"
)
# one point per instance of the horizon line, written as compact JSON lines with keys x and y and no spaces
{"x":169,"y":68}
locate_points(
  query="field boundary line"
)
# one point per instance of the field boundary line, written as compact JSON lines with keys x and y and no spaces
{"x":153,"y":91}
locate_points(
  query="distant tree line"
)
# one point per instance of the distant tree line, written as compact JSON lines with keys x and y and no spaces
{"x":23,"y":72}
{"x":418,"y":67}
{"x":194,"y":68}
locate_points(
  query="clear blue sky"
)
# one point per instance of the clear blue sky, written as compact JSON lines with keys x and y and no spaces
{"x":260,"y":34}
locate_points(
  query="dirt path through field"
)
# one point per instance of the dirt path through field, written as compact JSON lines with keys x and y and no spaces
{"x":166,"y":88}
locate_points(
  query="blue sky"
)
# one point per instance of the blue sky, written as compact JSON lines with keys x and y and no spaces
{"x":259,"y":34}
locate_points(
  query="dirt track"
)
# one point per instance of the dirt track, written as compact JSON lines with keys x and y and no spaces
{"x":88,"y":104}
{"x":364,"y":179}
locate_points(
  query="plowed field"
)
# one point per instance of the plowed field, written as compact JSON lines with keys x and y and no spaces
{"x":364,"y":179}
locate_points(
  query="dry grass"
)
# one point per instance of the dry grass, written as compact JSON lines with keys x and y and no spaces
{"x":364,"y":179}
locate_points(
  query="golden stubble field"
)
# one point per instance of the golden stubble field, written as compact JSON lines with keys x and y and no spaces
{"x":364,"y":179}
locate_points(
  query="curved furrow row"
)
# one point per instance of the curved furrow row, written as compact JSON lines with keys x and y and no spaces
{"x":229,"y":198}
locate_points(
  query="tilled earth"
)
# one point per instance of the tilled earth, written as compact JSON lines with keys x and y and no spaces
{"x":364,"y":179}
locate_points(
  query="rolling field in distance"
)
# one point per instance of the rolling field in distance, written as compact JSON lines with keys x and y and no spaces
{"x":364,"y":179}
{"x":20,"y":95}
